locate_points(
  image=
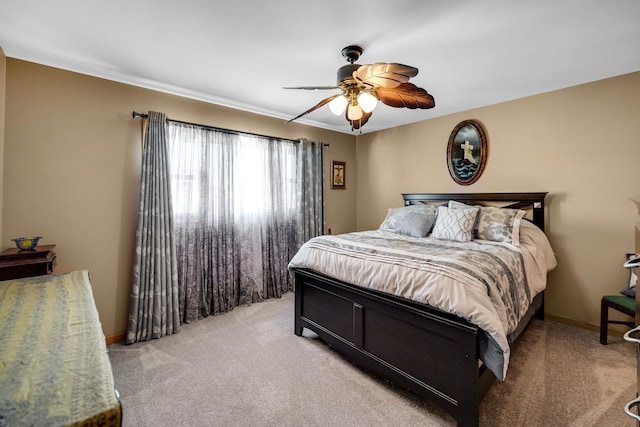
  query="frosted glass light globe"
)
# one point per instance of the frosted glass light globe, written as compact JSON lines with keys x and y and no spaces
{"x":337,"y":105}
{"x":354,"y":112}
{"x":367,"y":102}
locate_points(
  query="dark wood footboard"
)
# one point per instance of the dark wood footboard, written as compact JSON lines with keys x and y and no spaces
{"x":417,"y":347}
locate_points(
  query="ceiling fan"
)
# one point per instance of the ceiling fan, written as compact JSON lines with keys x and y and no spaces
{"x":362,"y":86}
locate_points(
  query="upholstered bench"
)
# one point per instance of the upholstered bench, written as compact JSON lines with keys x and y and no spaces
{"x":623,"y":304}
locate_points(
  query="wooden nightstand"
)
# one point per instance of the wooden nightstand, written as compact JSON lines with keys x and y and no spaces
{"x":15,"y":264}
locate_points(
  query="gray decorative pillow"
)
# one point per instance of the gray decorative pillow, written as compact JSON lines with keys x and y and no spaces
{"x":496,"y":224}
{"x":455,"y":223}
{"x":500,"y":225}
{"x":414,"y":220}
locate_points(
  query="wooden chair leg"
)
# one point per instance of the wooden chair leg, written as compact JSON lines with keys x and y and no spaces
{"x":604,"y":321}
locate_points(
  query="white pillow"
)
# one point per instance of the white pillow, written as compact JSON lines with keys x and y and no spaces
{"x":414,"y":220}
{"x":531,"y":235}
{"x":455,"y":223}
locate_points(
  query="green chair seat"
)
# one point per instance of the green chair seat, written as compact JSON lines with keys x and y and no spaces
{"x":623,"y":301}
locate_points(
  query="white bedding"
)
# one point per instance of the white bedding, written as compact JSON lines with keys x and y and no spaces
{"x":489,"y":284}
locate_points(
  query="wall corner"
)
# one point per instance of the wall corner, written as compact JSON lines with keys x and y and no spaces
{"x":3,"y":86}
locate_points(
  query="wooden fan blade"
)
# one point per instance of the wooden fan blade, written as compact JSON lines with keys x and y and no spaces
{"x":315,"y":107}
{"x":406,"y":95}
{"x":312,"y":87}
{"x":357,"y":124}
{"x":384,"y":75}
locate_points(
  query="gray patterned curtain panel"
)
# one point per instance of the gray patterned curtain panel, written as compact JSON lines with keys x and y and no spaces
{"x":153,"y":308}
{"x":310,"y":190}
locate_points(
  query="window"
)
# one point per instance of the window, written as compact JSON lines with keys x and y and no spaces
{"x":240,"y":212}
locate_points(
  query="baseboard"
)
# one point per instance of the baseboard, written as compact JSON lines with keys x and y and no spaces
{"x":571,"y":322}
{"x":614,"y":330}
{"x":111,"y":339}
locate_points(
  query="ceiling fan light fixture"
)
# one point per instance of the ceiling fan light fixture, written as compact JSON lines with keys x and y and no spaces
{"x":354,"y":112}
{"x":337,"y":105}
{"x":367,"y":102}
{"x":362,"y":86}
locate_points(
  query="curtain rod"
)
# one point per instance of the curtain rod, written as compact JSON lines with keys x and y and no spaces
{"x":136,"y":115}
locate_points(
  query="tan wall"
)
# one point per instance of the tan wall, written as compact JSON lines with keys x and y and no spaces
{"x":3,"y":75}
{"x":72,"y":164}
{"x":72,"y":169}
{"x":580,"y":144}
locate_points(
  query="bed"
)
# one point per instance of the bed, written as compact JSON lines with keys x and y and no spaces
{"x":54,"y":367}
{"x":425,"y":313}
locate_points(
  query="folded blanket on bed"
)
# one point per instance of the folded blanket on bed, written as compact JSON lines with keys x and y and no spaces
{"x":485,"y":284}
{"x":54,"y":367}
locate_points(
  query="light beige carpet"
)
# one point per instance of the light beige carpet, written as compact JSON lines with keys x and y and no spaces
{"x":247,"y":368}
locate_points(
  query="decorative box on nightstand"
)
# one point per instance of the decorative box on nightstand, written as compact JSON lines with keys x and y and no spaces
{"x":15,"y":264}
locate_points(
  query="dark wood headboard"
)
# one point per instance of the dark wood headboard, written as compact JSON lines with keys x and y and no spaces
{"x":533,"y":202}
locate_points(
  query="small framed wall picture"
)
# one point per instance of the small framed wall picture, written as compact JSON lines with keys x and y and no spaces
{"x":338,"y":175}
{"x":467,"y":152}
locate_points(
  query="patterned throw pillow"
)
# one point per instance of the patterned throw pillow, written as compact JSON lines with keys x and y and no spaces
{"x":500,"y":225}
{"x":414,"y":220}
{"x":455,"y":223}
{"x":496,"y":224}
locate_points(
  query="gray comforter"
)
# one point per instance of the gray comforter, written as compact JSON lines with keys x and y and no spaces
{"x":486,"y":284}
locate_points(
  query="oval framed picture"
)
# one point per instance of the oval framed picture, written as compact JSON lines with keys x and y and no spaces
{"x":467,"y":152}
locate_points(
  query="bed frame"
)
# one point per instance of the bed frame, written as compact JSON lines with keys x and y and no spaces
{"x":412,"y":345}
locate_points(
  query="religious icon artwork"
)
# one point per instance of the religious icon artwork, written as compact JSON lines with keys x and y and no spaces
{"x":467,"y":152}
{"x":338,"y":175}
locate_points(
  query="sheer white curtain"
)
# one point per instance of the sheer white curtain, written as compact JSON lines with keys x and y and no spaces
{"x":238,"y":207}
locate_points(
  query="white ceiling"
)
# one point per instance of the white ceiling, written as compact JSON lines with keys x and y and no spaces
{"x":241,"y":54}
